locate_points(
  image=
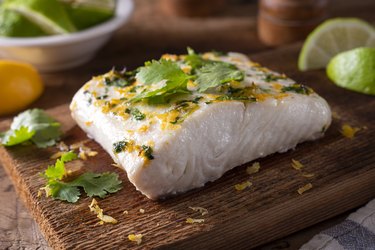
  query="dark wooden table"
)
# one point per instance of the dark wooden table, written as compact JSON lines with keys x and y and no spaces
{"x":149,"y":34}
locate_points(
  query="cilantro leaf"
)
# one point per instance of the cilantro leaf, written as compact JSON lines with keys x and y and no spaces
{"x":137,"y":115}
{"x":69,"y":156}
{"x":155,"y":72}
{"x":194,"y":60}
{"x":94,"y":184}
{"x":216,"y":73}
{"x":297,"y":88}
{"x":18,"y":136}
{"x":98,"y":184}
{"x":64,"y":191}
{"x":57,"y":171}
{"x":44,"y":129}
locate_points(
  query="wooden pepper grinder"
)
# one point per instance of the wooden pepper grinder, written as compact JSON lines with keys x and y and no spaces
{"x":285,"y":21}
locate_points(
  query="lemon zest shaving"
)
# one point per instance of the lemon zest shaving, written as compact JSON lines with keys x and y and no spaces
{"x":349,"y":131}
{"x":135,"y":238}
{"x":201,"y":210}
{"x":243,"y":185}
{"x":94,"y":207}
{"x":307,"y":175}
{"x":253,"y":168}
{"x":305,"y":188}
{"x":297,"y":165}
{"x":192,"y":221}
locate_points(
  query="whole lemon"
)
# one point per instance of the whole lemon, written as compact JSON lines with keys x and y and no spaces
{"x":20,"y":85}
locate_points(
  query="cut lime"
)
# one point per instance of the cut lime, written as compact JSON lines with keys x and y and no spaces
{"x":13,"y":24}
{"x":354,"y":70}
{"x":87,"y":13}
{"x":49,"y":15}
{"x":332,"y":37}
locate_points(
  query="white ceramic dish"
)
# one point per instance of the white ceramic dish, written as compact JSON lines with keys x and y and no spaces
{"x":53,"y":53}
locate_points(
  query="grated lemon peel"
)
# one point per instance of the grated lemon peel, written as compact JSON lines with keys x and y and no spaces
{"x":308,"y":175}
{"x":135,"y":238}
{"x":297,"y":165}
{"x":94,"y":207}
{"x":305,"y":188}
{"x":253,"y":168}
{"x":201,"y":210}
{"x":192,"y":221}
{"x":349,"y":131}
{"x":243,"y":185}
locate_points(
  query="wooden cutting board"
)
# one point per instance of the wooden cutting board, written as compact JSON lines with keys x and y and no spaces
{"x":343,"y":179}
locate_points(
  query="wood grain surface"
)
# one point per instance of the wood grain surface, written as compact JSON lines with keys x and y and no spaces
{"x":148,"y":35}
{"x":272,"y":208}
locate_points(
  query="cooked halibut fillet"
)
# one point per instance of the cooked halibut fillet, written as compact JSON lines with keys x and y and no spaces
{"x":196,"y":136}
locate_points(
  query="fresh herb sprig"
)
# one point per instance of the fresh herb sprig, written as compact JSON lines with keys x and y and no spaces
{"x":94,"y":184}
{"x":173,"y":81}
{"x":32,"y":125}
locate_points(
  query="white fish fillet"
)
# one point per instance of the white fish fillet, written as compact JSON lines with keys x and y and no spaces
{"x":213,"y":139}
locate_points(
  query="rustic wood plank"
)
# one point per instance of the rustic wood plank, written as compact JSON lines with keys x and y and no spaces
{"x":344,"y":172}
{"x":19,"y":230}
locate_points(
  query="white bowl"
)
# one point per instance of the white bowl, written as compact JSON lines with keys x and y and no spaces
{"x":53,"y":53}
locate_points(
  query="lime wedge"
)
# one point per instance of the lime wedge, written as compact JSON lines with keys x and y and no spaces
{"x":13,"y":24}
{"x":354,"y":70}
{"x":332,"y":37}
{"x":88,"y":13}
{"x":49,"y":15}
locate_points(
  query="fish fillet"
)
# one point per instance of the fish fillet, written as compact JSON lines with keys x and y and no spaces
{"x":169,"y":149}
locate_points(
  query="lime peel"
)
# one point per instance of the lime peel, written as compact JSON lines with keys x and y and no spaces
{"x":332,"y":37}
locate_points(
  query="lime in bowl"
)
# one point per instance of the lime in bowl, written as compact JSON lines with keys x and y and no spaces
{"x":64,"y":51}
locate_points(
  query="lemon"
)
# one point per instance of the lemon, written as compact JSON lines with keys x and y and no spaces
{"x":13,"y":24}
{"x":87,"y":13}
{"x":354,"y":70}
{"x":20,"y":85}
{"x":332,"y":37}
{"x":49,"y":15}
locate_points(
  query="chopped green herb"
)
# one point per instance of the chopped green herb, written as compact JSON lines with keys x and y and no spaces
{"x":155,"y":72}
{"x":18,"y":136}
{"x":147,"y":152}
{"x":120,"y":80}
{"x":272,"y":78}
{"x":119,"y":146}
{"x":32,"y":125}
{"x":236,"y":98}
{"x":219,"y":53}
{"x":214,"y":74}
{"x":138,"y":115}
{"x":194,"y":60}
{"x":94,"y":184}
{"x":298,"y":88}
{"x":102,"y":97}
{"x":135,"y":113}
{"x":197,"y":99}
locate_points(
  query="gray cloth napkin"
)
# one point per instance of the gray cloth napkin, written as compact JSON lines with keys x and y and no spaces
{"x":357,"y":232}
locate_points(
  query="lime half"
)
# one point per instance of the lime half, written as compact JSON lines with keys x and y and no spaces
{"x":13,"y":24}
{"x":354,"y":70}
{"x":332,"y":37}
{"x":88,"y":13}
{"x":49,"y":15}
